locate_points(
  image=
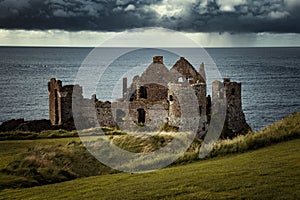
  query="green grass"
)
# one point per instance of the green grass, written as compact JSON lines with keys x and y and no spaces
{"x":11,"y":149}
{"x":269,"y":173}
{"x":56,"y":156}
{"x":48,"y":161}
{"x":23,"y":135}
{"x":48,"y":134}
{"x":283,"y":130}
{"x":141,"y":144}
{"x":27,"y":163}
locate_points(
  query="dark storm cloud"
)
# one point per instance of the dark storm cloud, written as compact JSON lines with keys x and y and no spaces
{"x":250,"y":16}
{"x":117,"y":15}
{"x":73,"y":15}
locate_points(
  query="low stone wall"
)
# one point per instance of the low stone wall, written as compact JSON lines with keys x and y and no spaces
{"x":33,"y":125}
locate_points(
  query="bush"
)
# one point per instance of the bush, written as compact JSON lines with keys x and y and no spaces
{"x":52,"y":164}
{"x":168,"y":128}
{"x":286,"y":129}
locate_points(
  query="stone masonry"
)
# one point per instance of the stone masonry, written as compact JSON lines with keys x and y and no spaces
{"x":153,"y":99}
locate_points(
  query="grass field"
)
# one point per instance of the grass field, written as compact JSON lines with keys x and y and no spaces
{"x":268,"y":173}
{"x":10,"y":149}
{"x":36,"y":159}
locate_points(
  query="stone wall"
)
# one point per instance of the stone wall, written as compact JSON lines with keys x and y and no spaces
{"x":31,"y":126}
{"x":54,"y":87}
{"x":104,"y":114}
{"x":200,"y":92}
{"x":235,"y":122}
{"x":60,"y":101}
{"x":218,"y":97}
{"x":184,"y":107}
{"x":154,"y":98}
{"x":152,"y":92}
{"x":186,"y":71}
{"x":129,"y":115}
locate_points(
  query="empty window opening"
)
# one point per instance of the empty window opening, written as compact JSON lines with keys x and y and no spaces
{"x":143,"y":92}
{"x":133,"y":97}
{"x":232,"y":91}
{"x":171,"y":98}
{"x":141,"y":115}
{"x":180,"y":80}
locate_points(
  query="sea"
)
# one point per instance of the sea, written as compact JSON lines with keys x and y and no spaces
{"x":270,"y":77}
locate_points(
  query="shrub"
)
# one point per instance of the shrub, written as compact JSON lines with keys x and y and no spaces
{"x":286,"y":129}
{"x":168,"y":128}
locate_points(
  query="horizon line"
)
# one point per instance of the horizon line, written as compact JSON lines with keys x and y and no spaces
{"x":70,"y":46}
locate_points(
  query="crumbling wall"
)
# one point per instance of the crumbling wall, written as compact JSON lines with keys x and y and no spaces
{"x":54,"y":87}
{"x":60,"y":101}
{"x":153,"y":92}
{"x":200,"y":92}
{"x":235,"y":122}
{"x":175,"y":89}
{"x":186,"y":71}
{"x":156,"y":72}
{"x":218,"y":97}
{"x":65,"y":94}
{"x":155,"y":112}
{"x":104,"y":114}
{"x":154,"y":98}
{"x":183,"y":107}
{"x":127,"y":115}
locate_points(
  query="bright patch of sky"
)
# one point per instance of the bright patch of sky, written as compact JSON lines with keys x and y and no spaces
{"x":92,"y":39}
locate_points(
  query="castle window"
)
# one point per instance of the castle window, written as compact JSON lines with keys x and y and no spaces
{"x":171,"y":98}
{"x":141,"y":115}
{"x":180,"y":80}
{"x":232,"y":91}
{"x":143,"y":92}
{"x":200,"y":110}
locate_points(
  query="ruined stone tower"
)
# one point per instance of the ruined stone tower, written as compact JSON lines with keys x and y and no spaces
{"x":60,"y":101}
{"x":235,"y":122}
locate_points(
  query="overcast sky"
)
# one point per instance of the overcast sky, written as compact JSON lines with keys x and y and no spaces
{"x":212,"y":23}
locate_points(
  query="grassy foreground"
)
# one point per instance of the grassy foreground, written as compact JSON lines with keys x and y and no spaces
{"x":269,"y":173}
{"x":57,"y":156}
{"x":12,"y":149}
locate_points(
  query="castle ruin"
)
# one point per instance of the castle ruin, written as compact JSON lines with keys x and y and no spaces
{"x":152,"y":99}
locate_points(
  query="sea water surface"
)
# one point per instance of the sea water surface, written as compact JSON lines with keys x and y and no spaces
{"x":270,"y":78}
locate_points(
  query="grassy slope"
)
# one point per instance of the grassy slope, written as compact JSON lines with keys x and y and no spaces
{"x":268,"y":173}
{"x":10,"y":149}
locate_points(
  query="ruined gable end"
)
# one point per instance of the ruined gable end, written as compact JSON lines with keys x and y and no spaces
{"x":185,"y":72}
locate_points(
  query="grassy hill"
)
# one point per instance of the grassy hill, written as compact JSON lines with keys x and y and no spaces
{"x":269,"y":173}
{"x":35,"y":159}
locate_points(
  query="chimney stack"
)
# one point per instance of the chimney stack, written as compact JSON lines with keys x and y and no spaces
{"x":158,"y":59}
{"x":124,"y":87}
